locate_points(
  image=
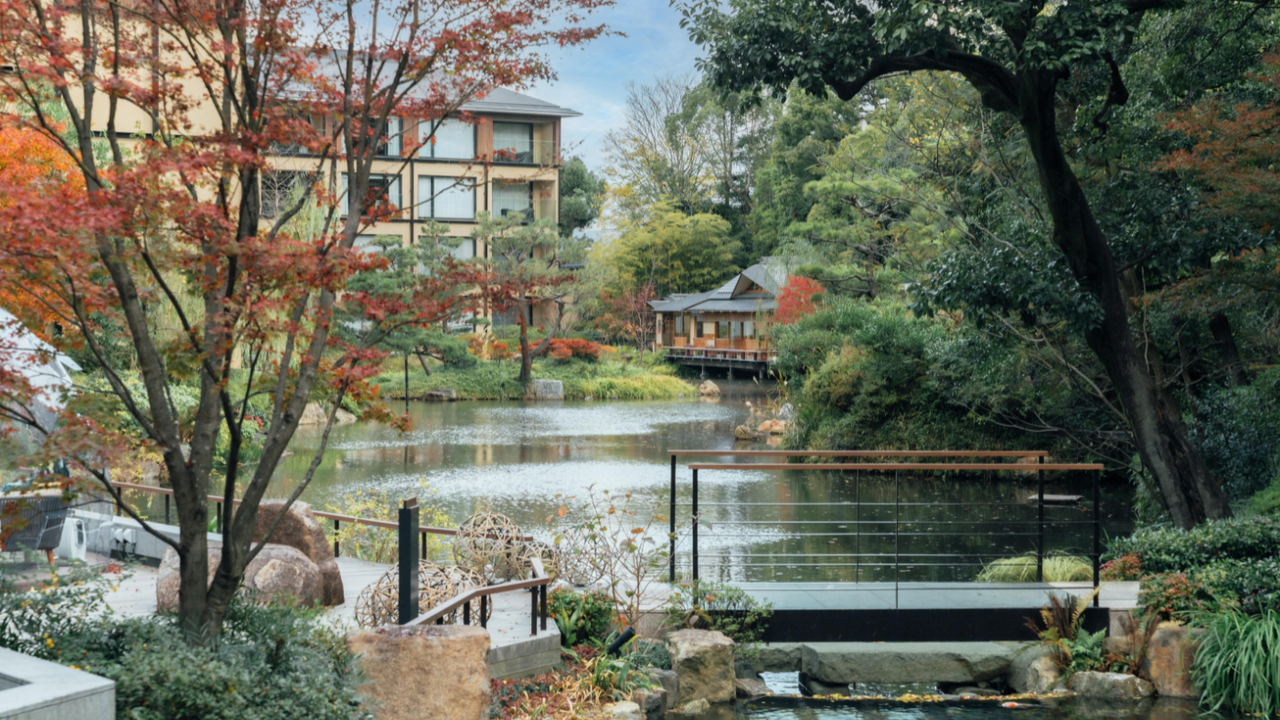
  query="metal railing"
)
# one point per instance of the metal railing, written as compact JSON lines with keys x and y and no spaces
{"x":689,"y":352}
{"x":336,"y":518}
{"x":897,"y":527}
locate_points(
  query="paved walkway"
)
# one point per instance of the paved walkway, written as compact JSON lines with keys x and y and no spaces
{"x":509,"y":624}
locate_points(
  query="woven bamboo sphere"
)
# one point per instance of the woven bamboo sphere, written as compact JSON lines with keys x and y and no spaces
{"x":547,"y":553}
{"x":489,"y":543}
{"x":378,"y":603}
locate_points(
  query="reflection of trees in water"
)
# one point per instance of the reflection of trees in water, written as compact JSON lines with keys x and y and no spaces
{"x":840,"y":526}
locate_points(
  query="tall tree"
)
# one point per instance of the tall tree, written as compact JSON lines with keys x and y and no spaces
{"x":527,"y":266}
{"x":1017,"y":55}
{"x":581,"y":197}
{"x":177,"y":213}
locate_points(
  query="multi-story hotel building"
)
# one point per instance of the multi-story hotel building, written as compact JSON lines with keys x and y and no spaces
{"x":503,"y":160}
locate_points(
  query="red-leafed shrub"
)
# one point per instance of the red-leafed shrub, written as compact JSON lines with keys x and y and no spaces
{"x":795,"y":299}
{"x":563,"y":349}
{"x":1124,"y":568}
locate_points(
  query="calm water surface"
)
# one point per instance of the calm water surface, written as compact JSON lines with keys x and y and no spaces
{"x":515,"y":458}
{"x":798,"y":709}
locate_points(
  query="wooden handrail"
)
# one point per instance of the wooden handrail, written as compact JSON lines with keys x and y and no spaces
{"x":864,"y":453}
{"x":539,"y":579}
{"x":896,"y":466}
{"x":318,"y":513}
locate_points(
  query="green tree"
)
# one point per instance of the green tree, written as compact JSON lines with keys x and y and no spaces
{"x":1017,"y":56}
{"x":527,"y":263}
{"x":581,"y":196}
{"x":672,"y":252}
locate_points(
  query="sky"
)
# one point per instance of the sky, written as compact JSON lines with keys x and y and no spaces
{"x":592,"y":80}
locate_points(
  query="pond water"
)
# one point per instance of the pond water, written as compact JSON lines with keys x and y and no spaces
{"x":807,"y":709}
{"x":515,"y":458}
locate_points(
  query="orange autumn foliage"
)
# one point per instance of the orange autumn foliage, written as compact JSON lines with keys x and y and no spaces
{"x":29,"y":158}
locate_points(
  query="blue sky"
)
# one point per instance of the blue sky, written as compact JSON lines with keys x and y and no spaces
{"x":592,"y":79}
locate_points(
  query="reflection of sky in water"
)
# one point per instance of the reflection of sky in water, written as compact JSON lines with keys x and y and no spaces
{"x":809,"y":709}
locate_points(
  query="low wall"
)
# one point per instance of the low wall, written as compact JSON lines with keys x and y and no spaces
{"x":34,"y":689}
{"x":124,"y":537}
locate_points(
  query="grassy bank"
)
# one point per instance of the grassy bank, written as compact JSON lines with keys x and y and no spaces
{"x":602,"y":380}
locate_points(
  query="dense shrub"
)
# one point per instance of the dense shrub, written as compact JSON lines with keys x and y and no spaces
{"x":1237,"y":665}
{"x":582,"y":617}
{"x":1176,"y":597}
{"x":269,"y":663}
{"x":1167,"y":549}
{"x":1237,"y":430}
{"x":1125,"y":568}
{"x":566,"y":348}
{"x":719,"y":606}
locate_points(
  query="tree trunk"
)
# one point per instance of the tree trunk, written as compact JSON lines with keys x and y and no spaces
{"x":1191,"y":493}
{"x":526,"y":357}
{"x":1225,"y":340}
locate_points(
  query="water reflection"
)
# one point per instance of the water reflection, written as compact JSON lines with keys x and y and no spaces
{"x":515,"y":458}
{"x":805,"y":709}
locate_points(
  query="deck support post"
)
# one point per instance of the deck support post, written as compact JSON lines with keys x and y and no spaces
{"x":672,"y":552}
{"x":695,"y":524}
{"x":1040,"y":525}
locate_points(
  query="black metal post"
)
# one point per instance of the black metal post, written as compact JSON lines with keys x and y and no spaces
{"x":423,"y":540}
{"x":857,"y":524}
{"x":533,"y":611}
{"x":166,"y":509}
{"x":466,"y":613}
{"x":672,"y":558}
{"x":1040,"y":536}
{"x":695,"y":524}
{"x":337,"y":547}
{"x":408,"y":552}
{"x":219,"y":518}
{"x":542,"y":592}
{"x":484,"y":611}
{"x":1097,"y":530}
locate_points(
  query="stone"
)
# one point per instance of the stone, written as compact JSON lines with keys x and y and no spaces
{"x":1122,"y":623}
{"x":300,"y":529}
{"x":703,"y":660}
{"x":446,"y":663}
{"x":318,"y":414}
{"x":779,"y":427}
{"x":442,"y":395}
{"x":626,"y":710}
{"x":779,"y":657}
{"x":750,"y":687}
{"x":964,"y":662}
{"x":670,"y":682}
{"x":708,"y":388}
{"x":814,"y":687}
{"x":970,"y":691}
{"x":544,"y":390}
{"x":694,"y":707}
{"x":279,"y":572}
{"x":1034,"y":670}
{"x":652,"y":701}
{"x":765,"y":427}
{"x":742,"y":432}
{"x":1168,"y":661}
{"x":1109,"y":686}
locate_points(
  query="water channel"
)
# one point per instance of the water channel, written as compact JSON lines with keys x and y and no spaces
{"x":521,"y":459}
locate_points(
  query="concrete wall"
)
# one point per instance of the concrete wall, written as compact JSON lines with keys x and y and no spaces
{"x":133,"y":539}
{"x":34,"y":689}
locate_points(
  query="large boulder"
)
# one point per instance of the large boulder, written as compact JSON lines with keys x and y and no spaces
{"x":442,"y":395}
{"x":962,"y":662}
{"x":1034,"y":670}
{"x":1109,"y":686}
{"x":1168,"y":661}
{"x":300,"y":529}
{"x":703,"y":660}
{"x":708,"y":388}
{"x":446,"y":665}
{"x":544,"y":390}
{"x":279,"y":573}
{"x":625,"y":710}
{"x":318,"y":414}
{"x":742,"y":432}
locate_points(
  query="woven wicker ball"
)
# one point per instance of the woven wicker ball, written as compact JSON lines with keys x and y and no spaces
{"x":580,"y":558}
{"x":489,"y":543}
{"x":378,"y":603}
{"x":549,"y":555}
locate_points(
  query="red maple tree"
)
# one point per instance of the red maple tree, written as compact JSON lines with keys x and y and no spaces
{"x":796,"y":299}
{"x":171,"y":110}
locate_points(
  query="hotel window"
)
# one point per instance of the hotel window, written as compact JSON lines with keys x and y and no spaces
{"x":513,"y":199}
{"x":465,"y":250}
{"x":455,"y":140}
{"x":391,"y":138}
{"x":445,"y":198}
{"x":382,"y":189}
{"x":514,"y":141}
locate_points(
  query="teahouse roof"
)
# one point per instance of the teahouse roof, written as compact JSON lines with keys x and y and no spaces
{"x":752,"y":290}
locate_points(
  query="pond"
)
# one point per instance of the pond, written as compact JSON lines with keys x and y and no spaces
{"x":515,"y":458}
{"x":807,"y":709}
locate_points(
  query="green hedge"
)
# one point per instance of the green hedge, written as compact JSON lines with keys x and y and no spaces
{"x":1166,"y":550}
